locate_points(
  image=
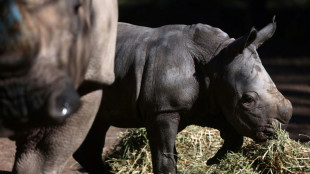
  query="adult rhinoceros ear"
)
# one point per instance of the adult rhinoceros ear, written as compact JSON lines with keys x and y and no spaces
{"x":265,"y":33}
{"x":101,"y":65}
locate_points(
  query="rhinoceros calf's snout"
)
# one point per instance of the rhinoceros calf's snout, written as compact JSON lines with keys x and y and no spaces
{"x":280,"y":120}
{"x":285,"y":111}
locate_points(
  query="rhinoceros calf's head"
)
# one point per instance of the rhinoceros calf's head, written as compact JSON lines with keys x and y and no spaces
{"x":42,"y":60}
{"x":247,"y":96}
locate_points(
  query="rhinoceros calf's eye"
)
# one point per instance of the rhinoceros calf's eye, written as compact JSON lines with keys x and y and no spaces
{"x":248,"y":101}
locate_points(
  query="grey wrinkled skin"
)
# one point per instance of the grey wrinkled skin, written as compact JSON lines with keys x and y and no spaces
{"x":46,"y":150}
{"x":169,"y":77}
{"x":55,"y":56}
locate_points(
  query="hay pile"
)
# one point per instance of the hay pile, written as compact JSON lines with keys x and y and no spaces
{"x":195,"y":145}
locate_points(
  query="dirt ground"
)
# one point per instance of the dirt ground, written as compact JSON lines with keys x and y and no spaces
{"x":7,"y":151}
{"x":291,"y":75}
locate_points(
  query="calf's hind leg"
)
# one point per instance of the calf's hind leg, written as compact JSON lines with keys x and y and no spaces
{"x":89,"y":154}
{"x":162,"y":133}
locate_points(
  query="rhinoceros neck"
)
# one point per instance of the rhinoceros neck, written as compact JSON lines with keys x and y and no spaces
{"x":206,"y":41}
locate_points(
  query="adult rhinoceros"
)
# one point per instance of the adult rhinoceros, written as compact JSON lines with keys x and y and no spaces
{"x":53,"y":56}
{"x":169,"y":77}
{"x":45,"y":50}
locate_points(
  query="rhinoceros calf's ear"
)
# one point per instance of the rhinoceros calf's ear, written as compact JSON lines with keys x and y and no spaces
{"x":265,"y":33}
{"x":101,"y":65}
{"x":228,"y":54}
{"x":231,"y":51}
{"x":237,"y":46}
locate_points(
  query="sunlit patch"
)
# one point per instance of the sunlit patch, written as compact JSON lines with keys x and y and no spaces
{"x":64,"y":111}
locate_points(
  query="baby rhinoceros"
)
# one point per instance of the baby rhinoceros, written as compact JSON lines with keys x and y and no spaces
{"x":173,"y":76}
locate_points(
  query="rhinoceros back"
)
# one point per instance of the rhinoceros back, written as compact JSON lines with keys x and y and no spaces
{"x":154,"y":72}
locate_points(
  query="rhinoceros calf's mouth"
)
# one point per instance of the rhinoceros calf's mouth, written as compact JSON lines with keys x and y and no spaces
{"x":262,"y":134}
{"x":261,"y":137}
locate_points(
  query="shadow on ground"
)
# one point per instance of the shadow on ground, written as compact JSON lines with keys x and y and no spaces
{"x":4,"y":172}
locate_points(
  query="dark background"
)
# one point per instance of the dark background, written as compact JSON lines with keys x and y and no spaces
{"x":286,"y":56}
{"x":235,"y":17}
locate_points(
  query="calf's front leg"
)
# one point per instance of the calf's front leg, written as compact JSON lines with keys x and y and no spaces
{"x":232,"y":143}
{"x":162,"y":133}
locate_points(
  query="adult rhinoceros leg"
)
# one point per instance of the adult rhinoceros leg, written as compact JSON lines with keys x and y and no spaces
{"x":232,"y":143}
{"x":89,"y":154}
{"x":162,"y":133}
{"x":47,"y":149}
